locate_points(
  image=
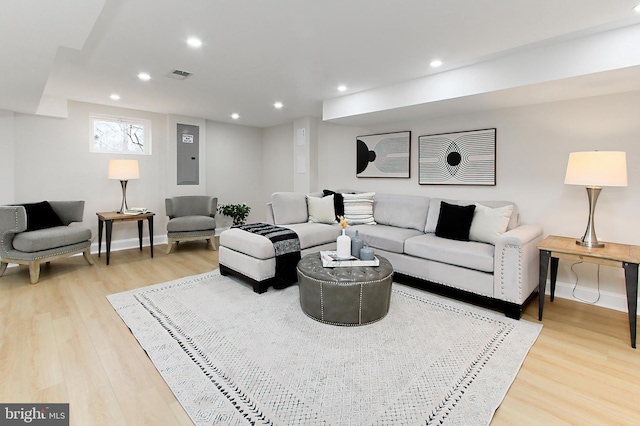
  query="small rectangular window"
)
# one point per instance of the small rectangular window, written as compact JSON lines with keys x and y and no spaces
{"x":120,"y":135}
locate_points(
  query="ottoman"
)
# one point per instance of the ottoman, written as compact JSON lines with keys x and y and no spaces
{"x":251,"y":257}
{"x":352,"y":295}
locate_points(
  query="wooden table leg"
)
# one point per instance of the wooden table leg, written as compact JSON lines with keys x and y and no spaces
{"x":631,"y":281}
{"x":545,"y":255}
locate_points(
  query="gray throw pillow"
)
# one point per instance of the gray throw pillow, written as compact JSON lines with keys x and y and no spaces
{"x":289,"y":207}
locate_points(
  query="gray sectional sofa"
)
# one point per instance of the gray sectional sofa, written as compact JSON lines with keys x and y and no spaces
{"x":500,"y":272}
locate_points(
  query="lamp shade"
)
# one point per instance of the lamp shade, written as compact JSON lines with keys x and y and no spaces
{"x":597,"y":168}
{"x":123,"y":169}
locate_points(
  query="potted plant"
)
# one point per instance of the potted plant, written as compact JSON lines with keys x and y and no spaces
{"x":238,"y":212}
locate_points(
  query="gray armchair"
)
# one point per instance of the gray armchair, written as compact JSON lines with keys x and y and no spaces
{"x":191,"y":217}
{"x":50,"y":240}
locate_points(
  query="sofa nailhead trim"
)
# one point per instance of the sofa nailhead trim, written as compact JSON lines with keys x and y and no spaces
{"x":343,"y":324}
{"x":502,"y":277}
{"x":343,"y":283}
{"x":360,"y":305}
{"x":321,"y":303}
{"x":15,"y":226}
{"x":346,"y":283}
{"x":55,"y":254}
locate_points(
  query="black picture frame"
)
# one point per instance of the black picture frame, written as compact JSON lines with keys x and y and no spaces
{"x":458,"y":158}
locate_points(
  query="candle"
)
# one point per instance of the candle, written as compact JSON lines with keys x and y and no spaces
{"x":366,"y":253}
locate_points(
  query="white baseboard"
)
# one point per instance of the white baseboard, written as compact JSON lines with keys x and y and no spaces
{"x":607,"y":299}
{"x":129,"y":243}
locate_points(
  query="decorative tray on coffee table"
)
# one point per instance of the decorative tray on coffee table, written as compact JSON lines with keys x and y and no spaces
{"x":330,"y":259}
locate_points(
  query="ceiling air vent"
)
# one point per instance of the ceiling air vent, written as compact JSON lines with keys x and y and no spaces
{"x":179,"y":74}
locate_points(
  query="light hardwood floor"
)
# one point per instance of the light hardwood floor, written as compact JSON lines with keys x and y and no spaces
{"x":62,"y":342}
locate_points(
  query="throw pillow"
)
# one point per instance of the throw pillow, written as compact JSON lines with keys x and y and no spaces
{"x":338,"y":201}
{"x":41,"y":216}
{"x":358,"y":208}
{"x":488,"y":224}
{"x":321,"y":210}
{"x":454,"y":221}
{"x":289,"y":208}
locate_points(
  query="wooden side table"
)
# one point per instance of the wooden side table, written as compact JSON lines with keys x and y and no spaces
{"x":625,"y":256}
{"x":110,"y":217}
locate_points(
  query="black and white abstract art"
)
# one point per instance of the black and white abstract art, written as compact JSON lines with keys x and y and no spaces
{"x":383,"y":155}
{"x":462,"y":158}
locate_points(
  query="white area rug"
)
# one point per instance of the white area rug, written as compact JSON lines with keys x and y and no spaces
{"x":232,"y":356}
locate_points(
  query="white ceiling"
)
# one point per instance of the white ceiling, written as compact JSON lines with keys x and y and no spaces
{"x":257,"y":52}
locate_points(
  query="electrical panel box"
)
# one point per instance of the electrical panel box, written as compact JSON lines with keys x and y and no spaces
{"x":188,"y":154}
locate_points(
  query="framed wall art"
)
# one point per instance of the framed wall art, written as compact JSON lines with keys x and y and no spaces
{"x":462,"y":158}
{"x":383,"y":155}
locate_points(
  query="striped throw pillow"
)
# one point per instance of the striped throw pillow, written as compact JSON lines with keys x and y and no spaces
{"x":358,"y":208}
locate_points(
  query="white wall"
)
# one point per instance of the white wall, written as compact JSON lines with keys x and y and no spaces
{"x":337,"y":161}
{"x":533,"y":145}
{"x":7,"y":191}
{"x":53,"y":162}
{"x":305,"y":154}
{"x":234,"y":167}
{"x":49,"y":159}
{"x":277,"y":161}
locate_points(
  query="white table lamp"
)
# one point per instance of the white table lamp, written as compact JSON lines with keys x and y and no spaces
{"x":595,"y":169}
{"x":123,"y":170}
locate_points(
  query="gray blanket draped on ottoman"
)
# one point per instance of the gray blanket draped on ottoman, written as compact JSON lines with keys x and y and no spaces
{"x":286,"y":244}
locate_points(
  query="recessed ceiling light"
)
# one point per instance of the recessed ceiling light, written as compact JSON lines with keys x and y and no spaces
{"x":235,"y":115}
{"x":115,"y":96}
{"x":636,"y":9}
{"x":194,"y":42}
{"x":278,"y":105}
{"x":144,"y":76}
{"x":436,"y":63}
{"x":342,"y":88}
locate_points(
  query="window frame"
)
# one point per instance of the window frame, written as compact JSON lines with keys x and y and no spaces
{"x":120,"y":119}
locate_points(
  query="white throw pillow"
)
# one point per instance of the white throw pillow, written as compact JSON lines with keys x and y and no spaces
{"x":358,"y":208}
{"x":488,"y":224}
{"x":321,"y":210}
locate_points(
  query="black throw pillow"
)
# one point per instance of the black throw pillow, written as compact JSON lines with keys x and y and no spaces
{"x":338,"y":201}
{"x":41,"y":216}
{"x":454,"y":221}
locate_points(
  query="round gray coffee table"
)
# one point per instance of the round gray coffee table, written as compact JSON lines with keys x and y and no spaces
{"x":352,"y":295}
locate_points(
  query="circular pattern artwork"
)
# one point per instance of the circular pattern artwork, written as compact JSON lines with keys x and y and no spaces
{"x":463,"y":158}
